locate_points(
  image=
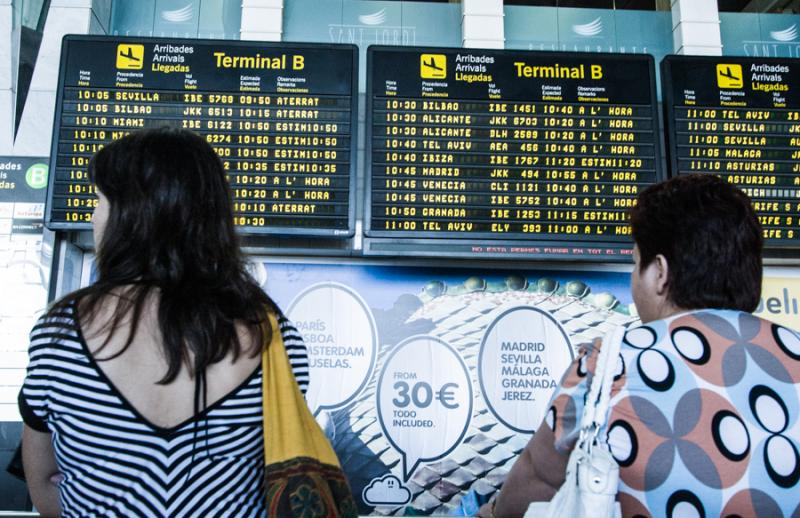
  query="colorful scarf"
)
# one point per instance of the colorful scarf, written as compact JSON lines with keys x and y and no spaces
{"x":302,"y":474}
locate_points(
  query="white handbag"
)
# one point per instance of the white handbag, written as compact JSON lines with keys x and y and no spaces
{"x":590,"y":488}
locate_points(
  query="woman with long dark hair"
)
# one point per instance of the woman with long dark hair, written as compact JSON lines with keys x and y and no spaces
{"x":144,"y":389}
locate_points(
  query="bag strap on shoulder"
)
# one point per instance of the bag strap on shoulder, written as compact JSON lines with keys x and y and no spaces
{"x":595,"y":411}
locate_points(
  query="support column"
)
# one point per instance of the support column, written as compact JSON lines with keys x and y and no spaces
{"x":64,"y":17}
{"x":695,"y":27}
{"x":482,"y":24}
{"x":262,"y":20}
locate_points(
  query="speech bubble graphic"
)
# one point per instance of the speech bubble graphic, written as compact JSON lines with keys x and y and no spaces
{"x":386,"y":490}
{"x":424,"y":400}
{"x":342,"y":340}
{"x":524,"y":353}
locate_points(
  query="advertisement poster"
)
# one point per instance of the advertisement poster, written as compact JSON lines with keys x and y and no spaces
{"x":779,"y":300}
{"x":25,"y":258}
{"x":430,"y":382}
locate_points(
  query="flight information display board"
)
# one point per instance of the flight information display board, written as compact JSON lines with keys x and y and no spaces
{"x":282,"y":117}
{"x":739,"y":118}
{"x":507,"y":153}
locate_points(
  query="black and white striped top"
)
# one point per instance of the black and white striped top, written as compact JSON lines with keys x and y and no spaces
{"x":116,"y":463}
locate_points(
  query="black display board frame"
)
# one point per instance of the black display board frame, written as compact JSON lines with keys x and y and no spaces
{"x":265,"y":231}
{"x":773,"y":249}
{"x":494,"y":246}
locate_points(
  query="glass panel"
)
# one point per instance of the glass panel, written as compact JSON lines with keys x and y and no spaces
{"x":760,"y":35}
{"x":740,"y":33}
{"x":535,"y":3}
{"x":760,"y":6}
{"x":132,"y":17}
{"x":436,"y":24}
{"x":782,"y":32}
{"x":531,"y":28}
{"x":734,"y":6}
{"x":315,"y":21}
{"x":31,"y":13}
{"x":16,"y":14}
{"x":587,"y":4}
{"x":586,"y":30}
{"x":644,"y":33}
{"x":220,"y":19}
{"x":636,"y":5}
{"x":374,"y":23}
{"x":543,"y":28}
{"x":640,"y":5}
{"x":177,"y":18}
{"x":27,"y":24}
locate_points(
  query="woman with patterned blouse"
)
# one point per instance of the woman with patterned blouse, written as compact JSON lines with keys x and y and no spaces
{"x":706,"y":399}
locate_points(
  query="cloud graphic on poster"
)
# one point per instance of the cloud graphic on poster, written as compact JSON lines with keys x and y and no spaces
{"x":592,"y":28}
{"x":387,"y":490}
{"x":375,"y":18}
{"x":789,"y":34}
{"x":183,"y":14}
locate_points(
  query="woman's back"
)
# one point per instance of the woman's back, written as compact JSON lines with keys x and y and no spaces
{"x":135,"y":371}
{"x":705,"y":417}
{"x":128,"y":446}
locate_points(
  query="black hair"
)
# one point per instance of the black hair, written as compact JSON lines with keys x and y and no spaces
{"x":707,"y":230}
{"x":170,"y":232}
